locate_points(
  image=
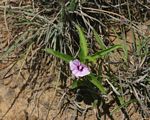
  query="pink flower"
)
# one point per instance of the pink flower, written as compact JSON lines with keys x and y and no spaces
{"x":78,"y":69}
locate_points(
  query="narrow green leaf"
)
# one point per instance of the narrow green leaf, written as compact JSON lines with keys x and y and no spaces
{"x":91,"y":59}
{"x":102,"y":53}
{"x":76,"y":84}
{"x":97,"y":83}
{"x":72,"y":5}
{"x":83,"y":44}
{"x":99,"y":41}
{"x":62,"y":56}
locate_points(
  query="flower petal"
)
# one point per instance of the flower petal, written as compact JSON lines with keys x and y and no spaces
{"x":75,"y":73}
{"x":84,"y":72}
{"x":76,"y":62}
{"x":73,"y":64}
{"x":74,"y":67}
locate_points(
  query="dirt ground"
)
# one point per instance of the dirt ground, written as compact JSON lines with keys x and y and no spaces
{"x":39,"y":104}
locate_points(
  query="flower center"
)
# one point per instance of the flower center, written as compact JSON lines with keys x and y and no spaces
{"x":80,"y":68}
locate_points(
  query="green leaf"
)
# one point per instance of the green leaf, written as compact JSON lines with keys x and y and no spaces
{"x":97,"y":83}
{"x":76,"y":84}
{"x":99,"y":41}
{"x":91,"y":59}
{"x":102,"y":53}
{"x":83,"y":44}
{"x":72,"y":5}
{"x":62,"y":56}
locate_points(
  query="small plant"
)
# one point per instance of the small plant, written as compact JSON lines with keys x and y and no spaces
{"x":78,"y":67}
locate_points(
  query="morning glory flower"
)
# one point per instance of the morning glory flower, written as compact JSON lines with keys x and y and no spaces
{"x":78,"y":69}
